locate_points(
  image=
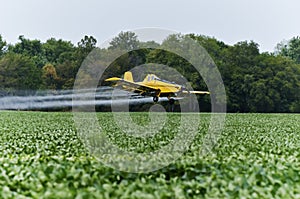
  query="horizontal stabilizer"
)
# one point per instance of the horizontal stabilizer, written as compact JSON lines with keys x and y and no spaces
{"x":113,"y":79}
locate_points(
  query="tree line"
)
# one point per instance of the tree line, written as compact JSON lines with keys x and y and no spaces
{"x":254,"y":81}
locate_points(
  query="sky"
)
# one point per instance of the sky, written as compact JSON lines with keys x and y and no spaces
{"x":266,"y":22}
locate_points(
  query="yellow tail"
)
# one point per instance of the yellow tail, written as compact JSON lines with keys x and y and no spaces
{"x":128,"y":76}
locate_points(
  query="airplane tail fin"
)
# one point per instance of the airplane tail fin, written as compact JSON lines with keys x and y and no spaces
{"x":128,"y":76}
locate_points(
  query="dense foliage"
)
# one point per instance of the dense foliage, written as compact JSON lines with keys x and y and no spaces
{"x":257,"y":156}
{"x":254,"y":81}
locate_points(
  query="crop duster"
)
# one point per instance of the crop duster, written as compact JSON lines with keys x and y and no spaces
{"x":152,"y":86}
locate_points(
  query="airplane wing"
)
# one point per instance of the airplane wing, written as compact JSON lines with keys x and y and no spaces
{"x":134,"y":87}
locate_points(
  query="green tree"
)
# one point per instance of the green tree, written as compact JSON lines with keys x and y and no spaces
{"x":3,"y":46}
{"x":66,"y":73}
{"x":290,"y":49}
{"x":57,"y":51}
{"x":49,"y":77}
{"x":85,"y":46}
{"x":149,"y":44}
{"x":236,"y":63}
{"x":214,"y":47}
{"x":125,"y":41}
{"x":30,"y":48}
{"x":18,"y":72}
{"x":124,"y":46}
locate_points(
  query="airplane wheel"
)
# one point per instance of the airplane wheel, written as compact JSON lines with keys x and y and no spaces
{"x":155,"y":99}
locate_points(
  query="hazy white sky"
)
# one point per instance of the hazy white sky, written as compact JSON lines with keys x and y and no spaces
{"x":267,"y":22}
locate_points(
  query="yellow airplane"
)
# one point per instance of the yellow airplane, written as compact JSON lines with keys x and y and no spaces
{"x":152,"y":86}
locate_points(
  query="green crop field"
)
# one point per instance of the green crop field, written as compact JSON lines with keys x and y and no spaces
{"x":257,"y":156}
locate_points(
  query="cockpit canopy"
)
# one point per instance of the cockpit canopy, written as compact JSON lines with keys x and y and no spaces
{"x":151,"y":77}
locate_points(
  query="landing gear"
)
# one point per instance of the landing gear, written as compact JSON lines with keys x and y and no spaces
{"x":155,"y":99}
{"x":171,"y":101}
{"x":171,"y":104}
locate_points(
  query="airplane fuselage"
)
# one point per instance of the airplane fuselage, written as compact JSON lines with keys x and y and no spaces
{"x":152,"y":86}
